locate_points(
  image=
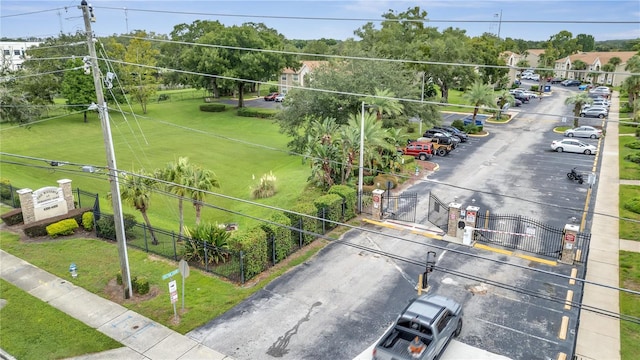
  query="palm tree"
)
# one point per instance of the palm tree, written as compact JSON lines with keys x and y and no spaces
{"x":479,"y":94}
{"x":323,"y":151}
{"x":383,"y":103}
{"x":577,"y":66}
{"x":200,"y":181}
{"x":374,"y":139}
{"x":607,"y":68}
{"x":136,"y":191}
{"x":505,"y":98}
{"x":632,"y":83}
{"x":175,"y":174}
{"x":615,"y":61}
{"x":578,"y":100}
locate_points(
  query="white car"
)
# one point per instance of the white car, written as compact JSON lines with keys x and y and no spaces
{"x":584,"y":131}
{"x":598,"y":103}
{"x":575,"y":146}
{"x":534,"y":77}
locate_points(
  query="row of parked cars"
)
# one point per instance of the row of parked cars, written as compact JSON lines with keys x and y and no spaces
{"x":274,"y":96}
{"x":571,"y":144}
{"x":439,"y":140}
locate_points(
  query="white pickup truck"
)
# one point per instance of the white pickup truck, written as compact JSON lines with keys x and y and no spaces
{"x":422,"y":331}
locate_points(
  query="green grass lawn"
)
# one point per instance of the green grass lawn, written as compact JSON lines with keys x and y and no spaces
{"x":629,"y":230}
{"x":629,"y":305}
{"x":239,"y":150}
{"x":32,"y":329}
{"x":206,"y":296}
{"x":628,"y":170}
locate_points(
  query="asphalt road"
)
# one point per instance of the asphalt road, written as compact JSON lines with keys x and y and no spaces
{"x":337,"y":304}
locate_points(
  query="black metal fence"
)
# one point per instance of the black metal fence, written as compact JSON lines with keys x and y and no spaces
{"x":438,"y":212}
{"x":522,"y":233}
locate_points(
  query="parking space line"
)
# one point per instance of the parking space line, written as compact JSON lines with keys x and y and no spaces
{"x":574,"y":273}
{"x":563,"y":328}
{"x":569,"y":298}
{"x":562,"y":356}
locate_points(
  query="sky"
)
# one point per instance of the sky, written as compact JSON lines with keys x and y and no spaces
{"x":307,"y":19}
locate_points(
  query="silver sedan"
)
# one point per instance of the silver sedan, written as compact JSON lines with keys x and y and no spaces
{"x":584,"y":131}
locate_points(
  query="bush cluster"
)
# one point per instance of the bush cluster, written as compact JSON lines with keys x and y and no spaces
{"x":633,"y":204}
{"x":213,"y":107}
{"x":107,"y":228}
{"x":139,"y":285}
{"x":633,"y":145}
{"x":87,"y":221}
{"x":635,"y":157}
{"x":13,"y":217}
{"x":64,"y":227}
{"x":257,"y":113}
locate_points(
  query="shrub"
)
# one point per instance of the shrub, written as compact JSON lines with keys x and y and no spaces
{"x":280,"y":244}
{"x":329,"y":208}
{"x":633,"y":145}
{"x":634,"y":157}
{"x":273,"y":88}
{"x":350,"y":198}
{"x":213,"y":107}
{"x":633,"y":204}
{"x":247,"y":112}
{"x":207,"y":244}
{"x":163,"y":97}
{"x":5,"y":189}
{"x":368,"y":180}
{"x":13,"y":217}
{"x":87,"y":221}
{"x":140,"y":285}
{"x":106,"y":227}
{"x":266,"y":188}
{"x":382,"y":181}
{"x":637,"y":132}
{"x":64,"y":227}
{"x":119,"y":278}
{"x":534,"y":88}
{"x":253,"y":244}
{"x":458,"y":124}
{"x":304,"y":221}
{"x":472,"y":129}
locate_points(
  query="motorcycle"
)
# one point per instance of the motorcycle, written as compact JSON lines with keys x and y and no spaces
{"x":573,"y":175}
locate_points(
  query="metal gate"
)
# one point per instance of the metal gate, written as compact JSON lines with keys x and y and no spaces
{"x":400,"y":207}
{"x":438,"y":212}
{"x":522,"y":233}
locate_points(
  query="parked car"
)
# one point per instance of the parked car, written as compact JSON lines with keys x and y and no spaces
{"x":584,"y":87}
{"x":271,"y":97}
{"x":601,"y":90}
{"x":519,"y":95}
{"x":554,"y":80}
{"x":454,"y":131}
{"x":575,"y":146}
{"x":534,"y":77}
{"x":438,"y":133}
{"x":599,"y":103}
{"x":279,"y":98}
{"x":571,"y":82}
{"x":595,"y":111}
{"x":420,"y":150}
{"x":584,"y":131}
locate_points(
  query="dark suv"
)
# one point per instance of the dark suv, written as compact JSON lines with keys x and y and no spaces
{"x":454,"y":131}
{"x":444,"y":136}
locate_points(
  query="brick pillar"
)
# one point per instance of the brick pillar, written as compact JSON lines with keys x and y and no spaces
{"x":65,"y":184}
{"x":26,"y":203}
{"x":454,"y":217}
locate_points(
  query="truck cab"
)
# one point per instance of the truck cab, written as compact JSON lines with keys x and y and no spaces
{"x":422,"y":331}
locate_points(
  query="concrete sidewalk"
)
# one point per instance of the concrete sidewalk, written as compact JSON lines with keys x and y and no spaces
{"x":143,"y":338}
{"x":599,"y":335}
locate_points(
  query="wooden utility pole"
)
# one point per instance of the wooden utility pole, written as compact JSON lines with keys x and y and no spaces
{"x":87,"y":14}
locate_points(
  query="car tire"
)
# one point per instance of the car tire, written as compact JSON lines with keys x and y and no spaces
{"x":571,"y":176}
{"x":441,"y":152}
{"x":593,"y":136}
{"x":458,"y":329}
{"x":422,"y":157}
{"x":601,"y":116}
{"x":559,"y":149}
{"x":582,"y":114}
{"x":570,"y":134}
{"x":587,"y":152}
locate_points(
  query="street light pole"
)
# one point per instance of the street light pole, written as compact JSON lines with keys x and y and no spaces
{"x":111,"y":160}
{"x":499,"y":24}
{"x":361,"y":161}
{"x":421,"y":102}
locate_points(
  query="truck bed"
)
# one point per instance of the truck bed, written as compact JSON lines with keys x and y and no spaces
{"x":399,"y":340}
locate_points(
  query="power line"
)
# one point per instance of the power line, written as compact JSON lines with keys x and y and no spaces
{"x":426,"y":21}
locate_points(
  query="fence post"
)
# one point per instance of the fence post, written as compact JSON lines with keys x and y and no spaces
{"x":79,"y":200}
{"x":324,"y":220}
{"x":300,"y":235}
{"x":206,"y":255}
{"x":175,"y":249}
{"x":241,"y":267}
{"x":272,"y":238}
{"x":144,"y":232}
